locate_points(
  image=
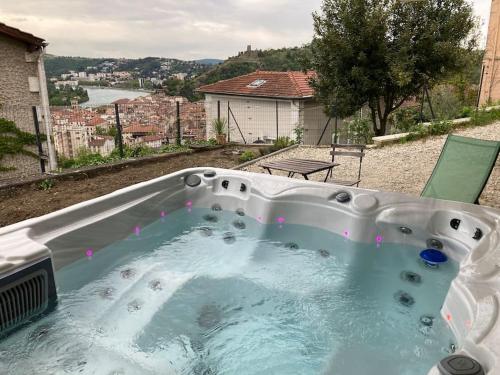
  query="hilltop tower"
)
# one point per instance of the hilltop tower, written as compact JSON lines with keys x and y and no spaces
{"x":490,"y":73}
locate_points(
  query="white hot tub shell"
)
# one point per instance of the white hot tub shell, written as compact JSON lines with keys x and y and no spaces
{"x":471,"y":306}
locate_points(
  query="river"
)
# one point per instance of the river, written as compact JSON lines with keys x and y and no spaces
{"x":101,"y":96}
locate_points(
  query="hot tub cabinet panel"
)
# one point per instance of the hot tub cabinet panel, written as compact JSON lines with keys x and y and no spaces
{"x":469,"y":234}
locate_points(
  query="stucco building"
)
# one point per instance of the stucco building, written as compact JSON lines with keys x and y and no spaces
{"x":490,"y":73}
{"x":264,"y":105}
{"x":22,"y":86}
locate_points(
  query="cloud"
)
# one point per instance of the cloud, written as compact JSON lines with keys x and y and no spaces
{"x":186,"y":29}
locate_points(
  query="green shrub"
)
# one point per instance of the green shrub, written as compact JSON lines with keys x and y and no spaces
{"x":280,"y":143}
{"x":466,"y":112}
{"x":405,"y":119}
{"x":247,"y":156}
{"x":435,"y":128}
{"x":357,"y":131}
{"x":173,"y":148}
{"x":299,"y":134}
{"x":209,"y":143}
{"x":445,"y":102}
{"x":483,"y":117}
{"x":219,"y":125}
{"x":47,"y":184}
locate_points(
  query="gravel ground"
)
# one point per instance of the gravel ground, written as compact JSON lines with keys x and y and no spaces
{"x":399,"y":167}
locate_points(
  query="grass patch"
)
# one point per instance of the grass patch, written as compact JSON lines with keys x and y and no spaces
{"x":247,"y":156}
{"x":85,"y":158}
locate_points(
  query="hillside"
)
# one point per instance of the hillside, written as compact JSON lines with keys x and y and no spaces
{"x":144,"y":67}
{"x":200,"y":72}
{"x":282,"y":59}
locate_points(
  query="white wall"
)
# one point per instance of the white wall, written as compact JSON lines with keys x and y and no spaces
{"x":256,"y":117}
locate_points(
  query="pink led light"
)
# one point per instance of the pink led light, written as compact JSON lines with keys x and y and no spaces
{"x":189,"y":204}
{"x":346,"y":233}
{"x":280,"y":220}
{"x":379,"y":239}
{"x":163,"y":214}
{"x":259,"y":219}
{"x":137,"y":230}
{"x":89,"y":253}
{"x":448,"y":317}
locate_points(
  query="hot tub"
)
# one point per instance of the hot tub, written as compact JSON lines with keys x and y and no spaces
{"x":212,"y":271}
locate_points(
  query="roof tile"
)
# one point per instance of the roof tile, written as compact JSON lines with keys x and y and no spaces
{"x":277,"y":85}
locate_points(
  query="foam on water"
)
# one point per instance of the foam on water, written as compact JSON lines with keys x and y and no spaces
{"x":214,"y":292}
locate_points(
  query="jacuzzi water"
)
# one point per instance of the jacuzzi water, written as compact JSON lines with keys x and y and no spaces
{"x":213,"y":292}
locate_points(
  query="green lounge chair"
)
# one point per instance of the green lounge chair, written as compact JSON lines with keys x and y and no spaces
{"x":463,"y":168}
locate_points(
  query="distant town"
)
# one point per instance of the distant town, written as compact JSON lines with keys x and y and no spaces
{"x":147,"y":121}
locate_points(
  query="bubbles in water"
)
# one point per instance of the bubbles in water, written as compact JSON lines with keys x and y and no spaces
{"x":209,"y":316}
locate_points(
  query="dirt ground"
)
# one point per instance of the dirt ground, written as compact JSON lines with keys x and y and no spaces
{"x":25,"y":202}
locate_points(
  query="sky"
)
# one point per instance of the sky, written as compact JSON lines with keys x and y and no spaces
{"x":184,"y":29}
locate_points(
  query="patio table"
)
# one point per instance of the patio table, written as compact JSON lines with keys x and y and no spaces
{"x":305,"y":167}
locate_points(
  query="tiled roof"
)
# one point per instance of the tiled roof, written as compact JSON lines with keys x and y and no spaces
{"x":95,"y":121}
{"x":22,"y":36}
{"x":267,"y":84}
{"x":121,"y":101}
{"x":137,"y":128}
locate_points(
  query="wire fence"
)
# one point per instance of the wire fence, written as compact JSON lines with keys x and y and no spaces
{"x":264,"y":121}
{"x":154,"y":122}
{"x":131,"y":127}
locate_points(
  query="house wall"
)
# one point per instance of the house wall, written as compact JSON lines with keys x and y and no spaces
{"x":16,"y":101}
{"x":315,"y":120}
{"x":256,"y":117}
{"x":69,"y":140}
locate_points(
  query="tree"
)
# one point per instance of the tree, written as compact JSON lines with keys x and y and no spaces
{"x":382,"y":52}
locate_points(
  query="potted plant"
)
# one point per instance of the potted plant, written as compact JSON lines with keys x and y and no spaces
{"x":219,"y":128}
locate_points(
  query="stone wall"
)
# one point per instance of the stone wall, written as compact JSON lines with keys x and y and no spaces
{"x":16,"y":101}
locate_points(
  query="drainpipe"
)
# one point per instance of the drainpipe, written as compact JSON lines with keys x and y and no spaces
{"x":46,"y":110}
